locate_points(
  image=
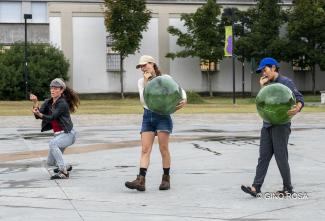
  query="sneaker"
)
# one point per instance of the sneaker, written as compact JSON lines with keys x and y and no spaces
{"x":139,"y":183}
{"x":165,"y":183}
{"x":56,"y":170}
{"x":60,"y":175}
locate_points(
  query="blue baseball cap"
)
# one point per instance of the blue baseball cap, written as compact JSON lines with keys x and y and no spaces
{"x":266,"y":61}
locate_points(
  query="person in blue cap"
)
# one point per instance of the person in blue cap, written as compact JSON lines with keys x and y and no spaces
{"x":274,"y":138}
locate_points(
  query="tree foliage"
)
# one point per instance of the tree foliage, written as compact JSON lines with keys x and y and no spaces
{"x":204,"y":38}
{"x":125,"y":20}
{"x":306,"y":35}
{"x":45,"y":63}
{"x":262,"y":37}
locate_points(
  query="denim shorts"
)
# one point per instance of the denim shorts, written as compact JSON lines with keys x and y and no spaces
{"x":156,"y":122}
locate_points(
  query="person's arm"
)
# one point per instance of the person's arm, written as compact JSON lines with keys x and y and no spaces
{"x":140,"y":89}
{"x":37,"y":113}
{"x":34,"y":99}
{"x":295,"y":109}
{"x":299,"y":99}
{"x":36,"y":107}
{"x":183,"y":102}
{"x":184,"y":96}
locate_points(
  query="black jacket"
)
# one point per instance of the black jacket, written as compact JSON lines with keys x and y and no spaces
{"x":59,"y":111}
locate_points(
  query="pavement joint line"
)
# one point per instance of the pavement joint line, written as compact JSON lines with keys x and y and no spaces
{"x":115,"y":212}
{"x":35,"y":207}
{"x":278,"y":209}
{"x":156,"y":214}
{"x":113,"y":202}
{"x":29,"y":197}
{"x":69,"y":200}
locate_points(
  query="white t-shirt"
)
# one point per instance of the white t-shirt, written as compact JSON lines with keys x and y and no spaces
{"x":141,"y":88}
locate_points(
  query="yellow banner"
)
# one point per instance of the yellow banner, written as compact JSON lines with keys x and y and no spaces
{"x":228,"y":41}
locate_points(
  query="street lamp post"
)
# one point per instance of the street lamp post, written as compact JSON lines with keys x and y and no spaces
{"x":26,"y":16}
{"x":233,"y":66}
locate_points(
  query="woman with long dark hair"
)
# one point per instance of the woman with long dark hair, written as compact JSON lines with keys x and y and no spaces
{"x":55,"y":115}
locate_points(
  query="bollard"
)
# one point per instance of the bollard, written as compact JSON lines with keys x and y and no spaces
{"x":322,"y":97}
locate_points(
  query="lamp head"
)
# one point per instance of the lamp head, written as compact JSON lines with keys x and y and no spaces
{"x":28,"y":16}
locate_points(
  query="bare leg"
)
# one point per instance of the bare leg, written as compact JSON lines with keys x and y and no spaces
{"x":147,"y":139}
{"x":163,"y":139}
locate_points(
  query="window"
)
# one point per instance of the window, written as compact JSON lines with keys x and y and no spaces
{"x":204,"y":65}
{"x":112,"y":57}
{"x":39,"y":12}
{"x":10,"y":12}
{"x":3,"y":48}
{"x":300,"y":65}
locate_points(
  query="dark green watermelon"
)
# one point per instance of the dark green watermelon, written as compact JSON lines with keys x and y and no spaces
{"x":273,"y":102}
{"x":162,"y":94}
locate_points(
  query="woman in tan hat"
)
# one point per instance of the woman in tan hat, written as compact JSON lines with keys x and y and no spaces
{"x":153,"y":125}
{"x":55,"y":115}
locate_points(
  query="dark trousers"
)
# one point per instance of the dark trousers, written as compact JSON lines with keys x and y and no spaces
{"x":274,"y":140}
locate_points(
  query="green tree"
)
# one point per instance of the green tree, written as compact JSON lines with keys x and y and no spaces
{"x":306,"y":36}
{"x":262,"y":32}
{"x":204,"y":37}
{"x":45,"y":63}
{"x":125,"y":20}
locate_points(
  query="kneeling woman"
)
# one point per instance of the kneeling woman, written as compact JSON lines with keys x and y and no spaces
{"x":55,"y":114}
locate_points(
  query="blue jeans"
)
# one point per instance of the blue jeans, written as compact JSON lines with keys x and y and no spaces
{"x":57,"y":146}
{"x":156,"y":123}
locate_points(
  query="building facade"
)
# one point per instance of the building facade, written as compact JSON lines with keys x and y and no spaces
{"x":77,"y":27}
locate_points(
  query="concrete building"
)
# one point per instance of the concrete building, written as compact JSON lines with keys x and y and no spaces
{"x":77,"y":27}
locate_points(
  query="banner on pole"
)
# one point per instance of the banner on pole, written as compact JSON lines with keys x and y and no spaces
{"x":228,"y":41}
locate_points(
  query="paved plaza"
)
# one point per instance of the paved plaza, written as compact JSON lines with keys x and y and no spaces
{"x":212,"y":156}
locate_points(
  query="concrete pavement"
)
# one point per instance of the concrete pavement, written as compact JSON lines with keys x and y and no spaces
{"x":212,"y":155}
